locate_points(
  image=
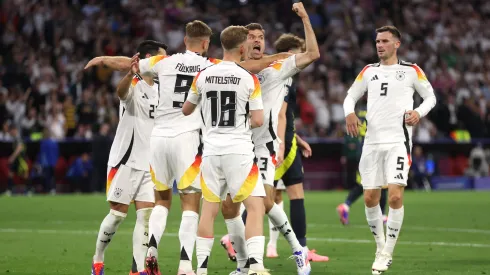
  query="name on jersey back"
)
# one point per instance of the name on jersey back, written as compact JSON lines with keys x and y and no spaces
{"x":223,"y":80}
{"x":188,"y":69}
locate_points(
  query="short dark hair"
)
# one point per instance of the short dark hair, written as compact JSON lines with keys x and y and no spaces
{"x":287,"y":42}
{"x":255,"y":26}
{"x":392,"y":29}
{"x":197,"y":28}
{"x":233,"y":36}
{"x":150,"y":47}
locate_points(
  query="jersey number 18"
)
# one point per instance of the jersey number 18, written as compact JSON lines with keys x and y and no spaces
{"x":226,"y":108}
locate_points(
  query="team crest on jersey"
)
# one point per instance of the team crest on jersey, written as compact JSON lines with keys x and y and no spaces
{"x":400,"y":75}
{"x":261,"y":78}
{"x":117,"y":192}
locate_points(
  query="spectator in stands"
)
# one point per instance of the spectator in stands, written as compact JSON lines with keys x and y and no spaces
{"x":48,"y":157}
{"x":478,"y":165}
{"x":30,"y":124}
{"x":422,"y":169}
{"x":79,"y":174}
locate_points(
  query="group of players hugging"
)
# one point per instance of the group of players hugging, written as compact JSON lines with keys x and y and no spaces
{"x":223,"y":130}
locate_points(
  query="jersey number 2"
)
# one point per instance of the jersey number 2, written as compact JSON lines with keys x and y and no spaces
{"x":182,"y":86}
{"x":384,"y":88}
{"x":227,"y":108}
{"x":151,"y":113}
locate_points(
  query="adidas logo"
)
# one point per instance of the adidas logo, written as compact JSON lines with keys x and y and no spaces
{"x":392,"y":236}
{"x":375,"y":77}
{"x":400,"y":177}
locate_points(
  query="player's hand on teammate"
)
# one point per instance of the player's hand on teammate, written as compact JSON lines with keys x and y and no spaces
{"x":299,"y":9}
{"x":280,"y":155}
{"x":352,"y":124}
{"x":93,"y":62}
{"x":412,"y":117}
{"x":135,"y":68}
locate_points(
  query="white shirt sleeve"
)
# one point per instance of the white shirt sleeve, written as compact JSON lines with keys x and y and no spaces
{"x":255,"y":99}
{"x":287,"y":68}
{"x":150,"y":65}
{"x":194,"y":96}
{"x":355,"y":92}
{"x":423,"y":87}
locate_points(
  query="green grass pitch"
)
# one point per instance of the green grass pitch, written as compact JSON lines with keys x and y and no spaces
{"x":443,"y":233}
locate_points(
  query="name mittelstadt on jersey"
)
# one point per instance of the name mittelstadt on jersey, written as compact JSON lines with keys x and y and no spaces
{"x":223,"y":80}
{"x":188,"y":69}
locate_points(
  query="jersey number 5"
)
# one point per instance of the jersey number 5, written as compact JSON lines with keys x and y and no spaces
{"x":227,"y":108}
{"x":384,"y":88}
{"x":182,"y":86}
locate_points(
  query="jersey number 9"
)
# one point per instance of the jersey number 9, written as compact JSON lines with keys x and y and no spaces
{"x":182,"y":86}
{"x":226,"y":108}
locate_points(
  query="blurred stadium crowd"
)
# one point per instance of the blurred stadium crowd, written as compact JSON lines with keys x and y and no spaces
{"x":45,"y":45}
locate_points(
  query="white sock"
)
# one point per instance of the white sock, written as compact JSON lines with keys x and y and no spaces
{"x":393,"y":227}
{"x":255,"y":247}
{"x":280,"y":220}
{"x":375,"y":221}
{"x":236,"y":231}
{"x":187,"y":237}
{"x":140,"y":239}
{"x":273,"y":232}
{"x":158,"y":221}
{"x":107,"y":230}
{"x":203,"y":251}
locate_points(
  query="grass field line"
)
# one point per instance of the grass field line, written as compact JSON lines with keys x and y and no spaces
{"x":332,"y":240}
{"x":416,"y":228}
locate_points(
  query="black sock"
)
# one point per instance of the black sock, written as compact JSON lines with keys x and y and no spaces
{"x":244,"y":217}
{"x":298,"y":220}
{"x":384,"y":198}
{"x":354,"y":194}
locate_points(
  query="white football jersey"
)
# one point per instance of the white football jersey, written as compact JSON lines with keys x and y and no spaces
{"x":275,"y":81}
{"x":390,"y":92}
{"x":131,"y":145}
{"x":175,"y":73}
{"x":226,"y":92}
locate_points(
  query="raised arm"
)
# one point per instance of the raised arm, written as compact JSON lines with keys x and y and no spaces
{"x":255,"y":66}
{"x":312,"y":51}
{"x":118,"y":63}
{"x":125,"y":83}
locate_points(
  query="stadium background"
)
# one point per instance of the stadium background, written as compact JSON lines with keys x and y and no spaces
{"x":43,"y":87}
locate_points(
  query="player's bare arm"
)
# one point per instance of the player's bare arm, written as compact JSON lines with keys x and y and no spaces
{"x":256,"y":118}
{"x":123,"y":86}
{"x":188,"y":108}
{"x":304,"y":146}
{"x":281,"y":133}
{"x":312,"y":51}
{"x":118,"y":63}
{"x":255,"y":66}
